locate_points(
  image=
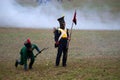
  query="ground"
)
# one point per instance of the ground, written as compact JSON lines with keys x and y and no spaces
{"x":93,"y":55}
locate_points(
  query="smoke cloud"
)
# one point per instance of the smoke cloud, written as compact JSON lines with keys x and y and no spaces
{"x":13,"y":14}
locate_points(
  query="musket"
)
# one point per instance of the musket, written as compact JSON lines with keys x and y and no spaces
{"x":40,"y":51}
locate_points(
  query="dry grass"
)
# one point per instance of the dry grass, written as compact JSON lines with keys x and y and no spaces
{"x":93,"y":55}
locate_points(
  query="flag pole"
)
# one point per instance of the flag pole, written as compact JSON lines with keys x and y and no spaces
{"x":73,"y":21}
{"x":70,"y":35}
{"x":71,"y":30}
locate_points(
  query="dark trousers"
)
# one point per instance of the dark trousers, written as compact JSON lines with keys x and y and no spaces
{"x":23,"y":61}
{"x":62,"y":49}
{"x":32,"y":59}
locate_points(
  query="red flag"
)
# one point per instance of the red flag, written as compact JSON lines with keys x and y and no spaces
{"x":74,"y":18}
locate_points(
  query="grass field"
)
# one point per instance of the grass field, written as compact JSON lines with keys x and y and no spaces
{"x":93,"y":55}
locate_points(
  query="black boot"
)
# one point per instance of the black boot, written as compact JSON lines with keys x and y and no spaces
{"x":30,"y":65}
{"x":16,"y":63}
{"x":64,"y":65}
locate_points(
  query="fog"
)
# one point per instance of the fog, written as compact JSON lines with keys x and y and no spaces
{"x":12,"y":14}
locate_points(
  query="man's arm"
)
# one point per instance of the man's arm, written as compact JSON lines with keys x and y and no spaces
{"x":36,"y":47}
{"x":57,"y":34}
{"x":68,"y":36}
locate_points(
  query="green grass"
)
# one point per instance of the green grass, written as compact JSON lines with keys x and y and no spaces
{"x":93,"y":55}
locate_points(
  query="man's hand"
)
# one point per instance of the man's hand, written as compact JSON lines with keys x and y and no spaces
{"x":69,"y":38}
{"x":56,"y":44}
{"x":39,"y":51}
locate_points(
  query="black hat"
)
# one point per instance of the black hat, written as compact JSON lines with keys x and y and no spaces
{"x":61,"y":19}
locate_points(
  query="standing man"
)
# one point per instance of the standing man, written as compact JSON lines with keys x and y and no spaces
{"x":61,"y":39}
{"x":27,"y":53}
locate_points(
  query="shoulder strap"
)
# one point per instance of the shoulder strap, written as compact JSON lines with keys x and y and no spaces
{"x":62,"y":33}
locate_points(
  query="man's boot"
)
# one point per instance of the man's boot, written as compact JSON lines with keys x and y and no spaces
{"x":16,"y":63}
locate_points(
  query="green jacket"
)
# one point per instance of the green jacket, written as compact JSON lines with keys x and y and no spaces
{"x":26,"y":55}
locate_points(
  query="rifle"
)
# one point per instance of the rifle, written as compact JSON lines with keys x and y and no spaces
{"x":40,"y":51}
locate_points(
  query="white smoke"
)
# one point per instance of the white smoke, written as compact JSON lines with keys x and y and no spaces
{"x":12,"y":14}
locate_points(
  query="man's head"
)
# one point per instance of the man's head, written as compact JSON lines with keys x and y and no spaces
{"x":28,"y":44}
{"x":61,"y":22}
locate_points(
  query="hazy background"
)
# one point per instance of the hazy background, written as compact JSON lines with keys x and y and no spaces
{"x":91,"y":14}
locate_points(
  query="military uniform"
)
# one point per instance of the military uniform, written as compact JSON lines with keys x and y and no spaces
{"x":26,"y":54}
{"x":61,"y":39}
